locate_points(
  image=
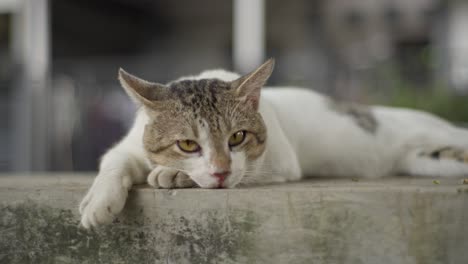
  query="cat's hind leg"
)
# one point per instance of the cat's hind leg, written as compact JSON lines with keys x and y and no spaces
{"x":441,"y":161}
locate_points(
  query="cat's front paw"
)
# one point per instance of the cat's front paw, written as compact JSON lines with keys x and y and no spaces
{"x":102,"y":203}
{"x":166,"y":178}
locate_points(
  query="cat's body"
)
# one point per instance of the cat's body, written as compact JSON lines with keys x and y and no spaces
{"x":299,"y":133}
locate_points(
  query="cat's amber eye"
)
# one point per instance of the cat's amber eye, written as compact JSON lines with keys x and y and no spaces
{"x":189,"y":146}
{"x":237,"y":138}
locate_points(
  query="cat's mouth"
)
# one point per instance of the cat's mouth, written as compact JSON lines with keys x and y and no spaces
{"x":222,"y":180}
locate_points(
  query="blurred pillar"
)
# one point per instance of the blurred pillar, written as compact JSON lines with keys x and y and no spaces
{"x":249,"y":34}
{"x":458,"y":44}
{"x":30,"y":146}
{"x":9,"y":6}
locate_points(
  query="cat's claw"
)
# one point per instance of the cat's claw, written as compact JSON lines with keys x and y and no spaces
{"x":166,"y":178}
{"x":102,"y":203}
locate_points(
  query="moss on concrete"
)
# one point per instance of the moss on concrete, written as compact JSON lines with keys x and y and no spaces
{"x":34,"y":233}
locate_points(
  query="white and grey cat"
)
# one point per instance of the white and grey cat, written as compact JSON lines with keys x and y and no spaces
{"x":217,"y":130}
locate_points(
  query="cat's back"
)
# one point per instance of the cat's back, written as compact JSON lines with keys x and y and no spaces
{"x":294,"y":103}
{"x":299,"y":111}
{"x":292,"y":96}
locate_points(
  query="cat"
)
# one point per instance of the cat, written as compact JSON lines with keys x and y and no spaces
{"x":219,"y":130}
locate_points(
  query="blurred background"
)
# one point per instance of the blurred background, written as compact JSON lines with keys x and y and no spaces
{"x":61,"y":105}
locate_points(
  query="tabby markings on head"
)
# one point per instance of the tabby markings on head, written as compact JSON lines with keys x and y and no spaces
{"x":202,"y":96}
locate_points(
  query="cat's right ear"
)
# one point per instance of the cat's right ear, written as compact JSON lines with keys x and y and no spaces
{"x":141,"y":91}
{"x":247,"y":88}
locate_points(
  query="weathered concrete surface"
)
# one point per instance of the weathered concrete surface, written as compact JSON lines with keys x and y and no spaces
{"x":399,"y":220}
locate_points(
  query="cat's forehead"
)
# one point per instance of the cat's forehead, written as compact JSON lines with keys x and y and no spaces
{"x":203,"y":97}
{"x":204,"y":88}
{"x":204,"y":103}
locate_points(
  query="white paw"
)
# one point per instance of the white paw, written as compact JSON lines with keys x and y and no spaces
{"x":163,"y":177}
{"x":102,"y":203}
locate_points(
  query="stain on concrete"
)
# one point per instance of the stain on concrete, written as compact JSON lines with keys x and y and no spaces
{"x":34,"y":233}
{"x":425,"y":227}
{"x":389,"y":234}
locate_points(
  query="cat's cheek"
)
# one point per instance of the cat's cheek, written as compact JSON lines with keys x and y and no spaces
{"x":204,"y":180}
{"x":197,"y":169}
{"x":238,"y":169}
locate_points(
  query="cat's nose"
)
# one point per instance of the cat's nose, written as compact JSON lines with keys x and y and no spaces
{"x":221,"y":176}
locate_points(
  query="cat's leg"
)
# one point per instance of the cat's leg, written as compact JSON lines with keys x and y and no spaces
{"x":450,"y":161}
{"x":444,"y":158}
{"x":281,"y":161}
{"x":119,"y":170}
{"x":163,"y":177}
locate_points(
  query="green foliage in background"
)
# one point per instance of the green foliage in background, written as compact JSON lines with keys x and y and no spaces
{"x":441,"y":101}
{"x":430,"y":95}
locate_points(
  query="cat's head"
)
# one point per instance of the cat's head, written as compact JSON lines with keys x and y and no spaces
{"x":208,"y":128}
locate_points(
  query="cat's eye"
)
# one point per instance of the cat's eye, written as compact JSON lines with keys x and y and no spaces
{"x":237,"y":138}
{"x":188,"y":146}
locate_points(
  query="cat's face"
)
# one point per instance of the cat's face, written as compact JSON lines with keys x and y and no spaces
{"x":209,"y":129}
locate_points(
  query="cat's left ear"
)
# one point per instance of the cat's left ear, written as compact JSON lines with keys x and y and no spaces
{"x":247,"y":87}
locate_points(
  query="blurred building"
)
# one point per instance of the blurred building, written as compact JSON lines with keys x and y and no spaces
{"x":62,"y":106}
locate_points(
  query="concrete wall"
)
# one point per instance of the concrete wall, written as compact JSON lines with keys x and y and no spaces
{"x":397,"y":220}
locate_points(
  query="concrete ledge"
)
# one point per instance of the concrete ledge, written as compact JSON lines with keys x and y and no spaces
{"x":397,"y":220}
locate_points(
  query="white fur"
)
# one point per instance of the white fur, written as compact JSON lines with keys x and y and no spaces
{"x":200,"y":167}
{"x":305,"y":138}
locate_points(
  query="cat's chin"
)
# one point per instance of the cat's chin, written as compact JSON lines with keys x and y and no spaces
{"x":206,"y":181}
{"x":206,"y":184}
{"x":216,"y":185}
{"x":211,"y":186}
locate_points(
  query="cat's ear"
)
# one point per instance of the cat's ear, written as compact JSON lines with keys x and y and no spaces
{"x":141,"y":91}
{"x":247,"y":87}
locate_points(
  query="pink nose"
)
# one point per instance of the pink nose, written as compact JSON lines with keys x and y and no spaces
{"x":221,"y":176}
